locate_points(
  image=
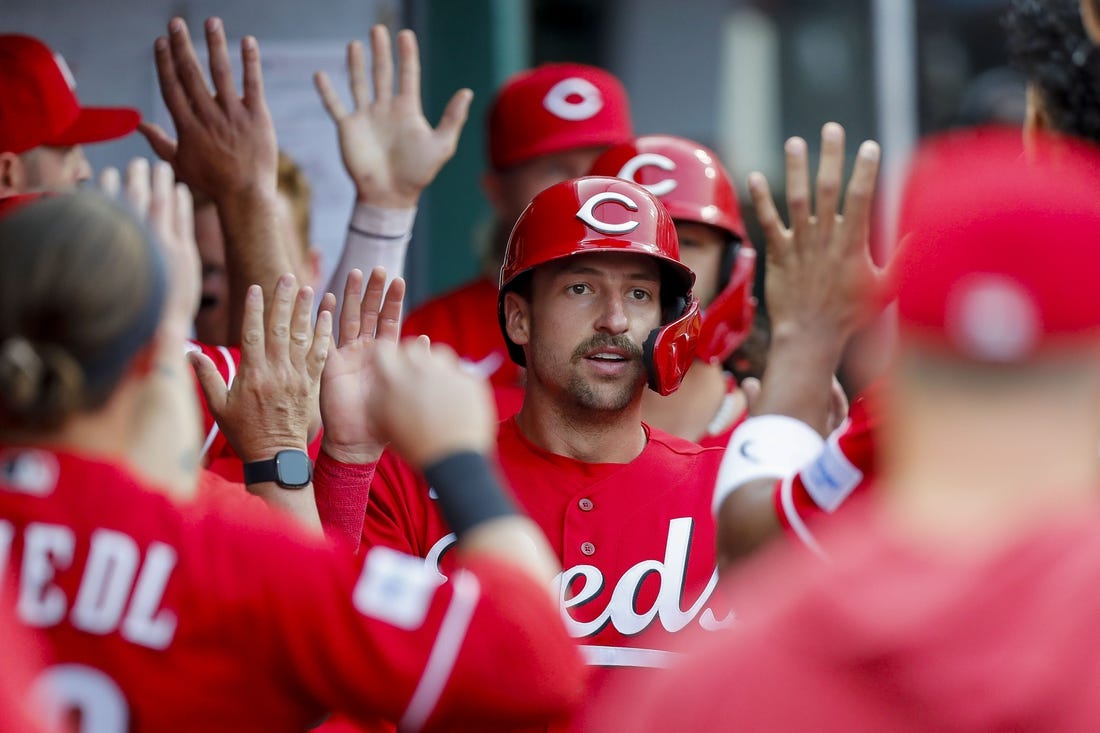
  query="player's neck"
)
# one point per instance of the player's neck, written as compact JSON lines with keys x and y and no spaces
{"x":692,"y":411}
{"x":589,"y":436}
{"x":104,"y":434}
{"x":972,"y":476}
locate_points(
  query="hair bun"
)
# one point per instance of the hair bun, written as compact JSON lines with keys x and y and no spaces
{"x":40,"y":384}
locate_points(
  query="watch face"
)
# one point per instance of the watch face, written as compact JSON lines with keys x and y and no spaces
{"x":292,"y":468}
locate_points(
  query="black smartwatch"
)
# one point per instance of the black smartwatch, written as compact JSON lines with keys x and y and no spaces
{"x":290,"y":469}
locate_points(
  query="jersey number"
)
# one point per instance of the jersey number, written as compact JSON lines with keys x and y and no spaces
{"x":64,"y":689}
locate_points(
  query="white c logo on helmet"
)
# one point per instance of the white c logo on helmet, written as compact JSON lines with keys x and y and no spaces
{"x":588,"y":216}
{"x":557,"y":101}
{"x":635,"y":164}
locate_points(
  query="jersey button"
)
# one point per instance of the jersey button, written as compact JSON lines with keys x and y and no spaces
{"x":585,"y":505}
{"x":587,"y":548}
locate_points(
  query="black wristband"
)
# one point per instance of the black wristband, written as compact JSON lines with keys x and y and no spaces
{"x":469,"y":492}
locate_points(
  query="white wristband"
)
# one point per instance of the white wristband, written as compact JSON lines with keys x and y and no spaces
{"x":376,"y":222}
{"x":765,"y":447}
{"x":831,"y":477}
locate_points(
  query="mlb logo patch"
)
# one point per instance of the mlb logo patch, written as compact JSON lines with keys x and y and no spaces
{"x":395,"y":588}
{"x":28,"y":471}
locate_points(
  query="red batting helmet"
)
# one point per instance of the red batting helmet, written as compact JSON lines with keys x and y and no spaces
{"x":690,"y":181}
{"x":602,"y":214}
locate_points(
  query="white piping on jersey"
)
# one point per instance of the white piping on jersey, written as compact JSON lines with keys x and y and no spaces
{"x":625,"y":656}
{"x":231,"y":373}
{"x":441,"y":660}
{"x":786,"y":497}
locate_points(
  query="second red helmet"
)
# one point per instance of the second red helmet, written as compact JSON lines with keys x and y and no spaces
{"x":692,"y":184}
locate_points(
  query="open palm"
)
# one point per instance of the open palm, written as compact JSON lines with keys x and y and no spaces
{"x":368,"y":315}
{"x":389,"y":149}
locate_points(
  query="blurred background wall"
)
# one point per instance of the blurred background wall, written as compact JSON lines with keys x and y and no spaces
{"x":738,"y":75}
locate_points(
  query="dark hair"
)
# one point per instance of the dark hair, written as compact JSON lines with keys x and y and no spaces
{"x":1047,"y":42}
{"x":81,"y":291}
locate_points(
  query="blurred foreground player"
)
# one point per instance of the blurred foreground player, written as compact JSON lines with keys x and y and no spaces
{"x":936,"y":612}
{"x":165,"y":616}
{"x":1048,"y":43}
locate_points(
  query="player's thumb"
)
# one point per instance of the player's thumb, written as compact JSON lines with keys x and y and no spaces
{"x":454,"y":116}
{"x":213,"y":386}
{"x":162,"y":145}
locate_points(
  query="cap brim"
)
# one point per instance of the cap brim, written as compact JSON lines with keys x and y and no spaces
{"x":96,"y":124}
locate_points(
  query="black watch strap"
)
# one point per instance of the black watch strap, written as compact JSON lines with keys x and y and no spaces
{"x":259,"y":472}
{"x":290,"y":469}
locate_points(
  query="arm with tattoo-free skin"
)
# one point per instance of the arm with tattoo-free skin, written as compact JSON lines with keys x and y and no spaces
{"x":390,"y":151}
{"x":226,"y":148}
{"x":819,"y":278}
{"x":272,"y":400}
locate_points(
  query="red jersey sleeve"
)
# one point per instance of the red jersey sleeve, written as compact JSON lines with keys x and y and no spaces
{"x":397,"y":512}
{"x":385,"y":635}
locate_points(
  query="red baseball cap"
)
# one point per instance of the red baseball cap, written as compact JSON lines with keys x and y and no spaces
{"x":556,"y":107}
{"x":1000,"y":257}
{"x":39,"y":106}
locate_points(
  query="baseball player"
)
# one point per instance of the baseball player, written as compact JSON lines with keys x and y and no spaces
{"x":596,"y":305}
{"x":545,"y":125}
{"x":43,"y":126}
{"x":983,"y":525}
{"x":693,"y":185}
{"x":167,"y":617}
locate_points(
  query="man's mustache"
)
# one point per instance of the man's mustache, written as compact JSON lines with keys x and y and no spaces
{"x":604,"y":341}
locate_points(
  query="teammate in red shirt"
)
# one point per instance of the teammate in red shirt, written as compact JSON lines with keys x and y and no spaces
{"x":595,"y":304}
{"x":545,"y":125}
{"x":693,"y":185}
{"x":935,"y":612}
{"x":162,"y":617}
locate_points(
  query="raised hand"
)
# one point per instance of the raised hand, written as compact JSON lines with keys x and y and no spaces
{"x":819,"y":272}
{"x":367,"y":316}
{"x":427,"y":405}
{"x":167,"y":208}
{"x":227,"y":149}
{"x":226,"y":143}
{"x":274,"y":397}
{"x":389,"y":149}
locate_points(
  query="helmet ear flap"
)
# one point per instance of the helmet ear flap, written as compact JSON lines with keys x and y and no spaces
{"x":669,"y":350}
{"x":728,"y":319}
